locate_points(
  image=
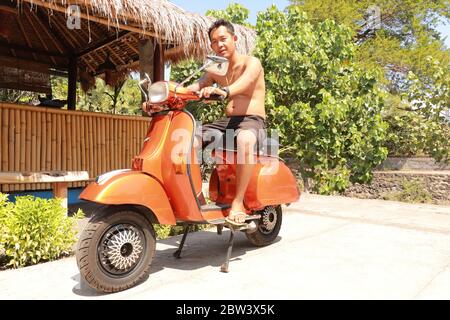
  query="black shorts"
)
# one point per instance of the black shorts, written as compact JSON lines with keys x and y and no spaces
{"x":223,"y":132}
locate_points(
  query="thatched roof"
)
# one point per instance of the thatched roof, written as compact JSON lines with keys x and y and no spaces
{"x":111,"y":27}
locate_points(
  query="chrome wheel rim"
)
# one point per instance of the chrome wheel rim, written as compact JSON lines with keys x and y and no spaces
{"x":121,"y":249}
{"x":268,"y":220}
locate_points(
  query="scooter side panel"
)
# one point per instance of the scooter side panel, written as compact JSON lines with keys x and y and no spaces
{"x":181,"y":178}
{"x":272,"y":184}
{"x":132,"y":187}
{"x":154,"y":144}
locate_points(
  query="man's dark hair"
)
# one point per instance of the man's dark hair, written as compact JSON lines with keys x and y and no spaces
{"x":219,"y":23}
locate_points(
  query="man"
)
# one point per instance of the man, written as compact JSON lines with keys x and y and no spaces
{"x":244,"y":87}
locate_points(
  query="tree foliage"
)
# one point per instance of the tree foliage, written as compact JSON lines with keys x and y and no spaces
{"x":419,"y":123}
{"x":124,"y":98}
{"x":404,"y":44}
{"x":235,"y":13}
{"x":326,"y":108}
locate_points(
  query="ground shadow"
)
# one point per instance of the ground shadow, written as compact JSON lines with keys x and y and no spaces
{"x":201,"y":249}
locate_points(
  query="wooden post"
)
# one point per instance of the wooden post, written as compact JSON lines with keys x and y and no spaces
{"x":60,"y":191}
{"x":146,"y":57}
{"x":72,"y":91}
{"x":158,"y":63}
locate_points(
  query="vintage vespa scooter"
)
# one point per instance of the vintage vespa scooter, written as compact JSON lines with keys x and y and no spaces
{"x":164,"y":186}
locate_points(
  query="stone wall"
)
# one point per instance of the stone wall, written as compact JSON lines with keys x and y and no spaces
{"x":418,"y":163}
{"x":436,"y":183}
{"x":390,"y":180}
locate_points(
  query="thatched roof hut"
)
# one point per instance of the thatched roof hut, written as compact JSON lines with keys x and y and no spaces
{"x":41,"y":37}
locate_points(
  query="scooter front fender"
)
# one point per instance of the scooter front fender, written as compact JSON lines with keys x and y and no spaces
{"x":131,"y":187}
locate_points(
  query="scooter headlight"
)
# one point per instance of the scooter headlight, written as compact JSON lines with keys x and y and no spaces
{"x":158,"y":92}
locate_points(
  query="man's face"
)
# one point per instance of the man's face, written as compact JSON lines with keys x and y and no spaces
{"x":223,"y":42}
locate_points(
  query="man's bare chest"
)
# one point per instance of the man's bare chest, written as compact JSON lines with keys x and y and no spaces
{"x":231,"y":76}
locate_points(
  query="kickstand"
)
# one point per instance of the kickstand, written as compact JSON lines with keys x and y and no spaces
{"x":177,"y":254}
{"x":224,"y":267}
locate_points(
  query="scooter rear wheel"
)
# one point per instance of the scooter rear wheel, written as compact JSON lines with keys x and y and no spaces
{"x":116,"y":249}
{"x":268,"y":226}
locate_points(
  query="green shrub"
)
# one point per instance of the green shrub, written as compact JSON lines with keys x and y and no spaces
{"x":35,"y":230}
{"x":162,"y":231}
{"x":412,"y":191}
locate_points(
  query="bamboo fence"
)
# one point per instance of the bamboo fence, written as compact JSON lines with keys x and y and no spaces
{"x":36,"y":139}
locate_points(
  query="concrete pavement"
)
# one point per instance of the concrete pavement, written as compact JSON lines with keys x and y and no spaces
{"x":328,"y":248}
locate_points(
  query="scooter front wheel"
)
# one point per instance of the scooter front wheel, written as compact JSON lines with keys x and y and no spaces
{"x":269,"y":226}
{"x":116,"y":249}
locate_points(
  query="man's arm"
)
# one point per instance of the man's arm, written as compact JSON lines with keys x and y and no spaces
{"x":204,"y":81}
{"x":247,"y":79}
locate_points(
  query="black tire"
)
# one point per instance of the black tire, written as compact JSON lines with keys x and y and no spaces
{"x":268,"y":226}
{"x":116,"y":249}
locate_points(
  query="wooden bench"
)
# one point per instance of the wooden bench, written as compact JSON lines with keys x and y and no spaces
{"x":58,"y":179}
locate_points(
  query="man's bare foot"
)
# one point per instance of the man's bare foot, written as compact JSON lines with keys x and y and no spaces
{"x":236,"y":218}
{"x":237,"y":213}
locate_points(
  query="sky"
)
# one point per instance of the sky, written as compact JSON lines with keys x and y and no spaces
{"x":201,"y":6}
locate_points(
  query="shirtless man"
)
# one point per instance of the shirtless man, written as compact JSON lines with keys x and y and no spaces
{"x":244,"y":87}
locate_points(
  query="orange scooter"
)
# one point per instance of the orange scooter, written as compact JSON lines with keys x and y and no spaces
{"x":164,"y":186}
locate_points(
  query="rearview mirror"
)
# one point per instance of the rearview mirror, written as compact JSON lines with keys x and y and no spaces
{"x":217,"y":65}
{"x":214,"y":64}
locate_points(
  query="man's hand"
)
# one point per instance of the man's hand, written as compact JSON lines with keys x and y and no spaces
{"x":208,"y":91}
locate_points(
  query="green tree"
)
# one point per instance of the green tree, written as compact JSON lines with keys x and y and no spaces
{"x":401,"y":41}
{"x":236,"y":13}
{"x":419,"y":125}
{"x":396,"y":35}
{"x":327,"y":109}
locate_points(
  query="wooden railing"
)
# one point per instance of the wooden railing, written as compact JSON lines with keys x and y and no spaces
{"x":45,"y":139}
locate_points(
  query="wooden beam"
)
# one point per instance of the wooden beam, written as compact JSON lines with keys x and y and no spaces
{"x":19,"y":22}
{"x":72,"y":90}
{"x":8,"y":9}
{"x":74,"y":33}
{"x":30,"y":64}
{"x":28,"y":49}
{"x":60,"y":46}
{"x":115,"y":55}
{"x":103,"y":43}
{"x":30,"y":21}
{"x":131,"y":47}
{"x":86,"y":62}
{"x":66,"y":32}
{"x":100,"y":59}
{"x":92,"y":30}
{"x":59,"y":73}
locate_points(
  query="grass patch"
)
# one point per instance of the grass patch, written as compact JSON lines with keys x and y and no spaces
{"x":412,"y":192}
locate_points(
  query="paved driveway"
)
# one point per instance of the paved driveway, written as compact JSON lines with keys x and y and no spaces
{"x":328,"y":248}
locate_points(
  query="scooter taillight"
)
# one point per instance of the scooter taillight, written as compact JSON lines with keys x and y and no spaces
{"x":137,"y":164}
